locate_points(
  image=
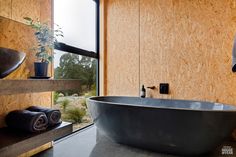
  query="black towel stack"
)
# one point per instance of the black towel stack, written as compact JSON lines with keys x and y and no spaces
{"x":33,"y":119}
{"x":53,"y":115}
{"x":27,"y":120}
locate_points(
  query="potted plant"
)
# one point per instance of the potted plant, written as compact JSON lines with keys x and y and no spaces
{"x":46,"y":38}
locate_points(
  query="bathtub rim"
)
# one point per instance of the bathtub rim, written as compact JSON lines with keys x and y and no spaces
{"x":158,"y":107}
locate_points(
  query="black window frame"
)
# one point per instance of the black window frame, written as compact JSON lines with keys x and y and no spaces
{"x":71,"y":49}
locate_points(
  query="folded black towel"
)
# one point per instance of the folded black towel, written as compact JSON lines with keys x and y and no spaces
{"x":53,"y":115}
{"x":27,"y":120}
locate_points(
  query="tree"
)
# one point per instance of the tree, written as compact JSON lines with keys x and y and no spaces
{"x":74,"y":66}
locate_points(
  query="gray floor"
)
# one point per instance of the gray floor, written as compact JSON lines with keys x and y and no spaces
{"x":79,"y":144}
{"x":83,"y":144}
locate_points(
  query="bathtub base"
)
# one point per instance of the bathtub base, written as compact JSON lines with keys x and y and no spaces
{"x":108,"y":145}
{"x":167,"y":130}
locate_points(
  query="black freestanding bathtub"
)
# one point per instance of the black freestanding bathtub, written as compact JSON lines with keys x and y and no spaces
{"x":172,"y":126}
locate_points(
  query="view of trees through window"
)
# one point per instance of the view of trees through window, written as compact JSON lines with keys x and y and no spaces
{"x":77,"y":20}
{"x":72,"y":103}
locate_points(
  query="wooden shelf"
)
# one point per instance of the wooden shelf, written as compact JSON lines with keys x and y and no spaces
{"x":14,"y":143}
{"x":36,"y":85}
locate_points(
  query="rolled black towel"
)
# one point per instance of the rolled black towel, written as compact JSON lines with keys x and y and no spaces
{"x":27,"y":120}
{"x":53,"y":115}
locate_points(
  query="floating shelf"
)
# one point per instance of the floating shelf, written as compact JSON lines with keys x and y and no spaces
{"x":14,"y":143}
{"x":36,"y":85}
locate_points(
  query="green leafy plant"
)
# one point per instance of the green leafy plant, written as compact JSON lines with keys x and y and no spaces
{"x":83,"y":103}
{"x":46,"y":38}
{"x":64,"y":104}
{"x":75,"y":115}
{"x":55,"y":97}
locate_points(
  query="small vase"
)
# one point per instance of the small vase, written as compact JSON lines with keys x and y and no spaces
{"x":41,"y":69}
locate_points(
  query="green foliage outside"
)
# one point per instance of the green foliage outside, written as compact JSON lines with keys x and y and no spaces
{"x":55,"y":97}
{"x":64,"y":104}
{"x":83,"y":103}
{"x":75,"y":115}
{"x":73,"y":66}
{"x":92,"y":92}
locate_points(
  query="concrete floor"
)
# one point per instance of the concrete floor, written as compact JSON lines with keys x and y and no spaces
{"x":79,"y":144}
{"x":83,"y":144}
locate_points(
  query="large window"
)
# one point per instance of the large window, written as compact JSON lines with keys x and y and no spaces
{"x":76,"y":57}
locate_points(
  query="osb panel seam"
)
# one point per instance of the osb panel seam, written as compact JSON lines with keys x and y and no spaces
{"x":187,"y":44}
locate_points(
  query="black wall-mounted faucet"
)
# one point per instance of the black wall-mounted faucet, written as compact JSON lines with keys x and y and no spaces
{"x":151,"y":87}
{"x":143,"y":91}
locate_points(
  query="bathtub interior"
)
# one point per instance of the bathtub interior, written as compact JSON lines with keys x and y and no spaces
{"x":164,"y":103}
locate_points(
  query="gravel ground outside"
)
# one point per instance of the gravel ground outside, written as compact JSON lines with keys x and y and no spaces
{"x":74,"y":102}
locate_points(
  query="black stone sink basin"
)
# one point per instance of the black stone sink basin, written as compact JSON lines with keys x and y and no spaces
{"x":10,"y":60}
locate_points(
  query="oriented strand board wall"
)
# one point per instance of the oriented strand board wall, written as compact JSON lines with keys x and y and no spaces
{"x":122,"y":46}
{"x":17,"y":9}
{"x":19,"y":36}
{"x":16,"y":35}
{"x":5,"y":8}
{"x":186,"y":43}
{"x":194,"y":42}
{"x":25,"y":8}
{"x":156,"y":24}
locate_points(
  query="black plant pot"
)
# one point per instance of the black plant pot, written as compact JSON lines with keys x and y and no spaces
{"x":41,"y":69}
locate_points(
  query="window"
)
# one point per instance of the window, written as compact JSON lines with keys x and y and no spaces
{"x":76,"y":57}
